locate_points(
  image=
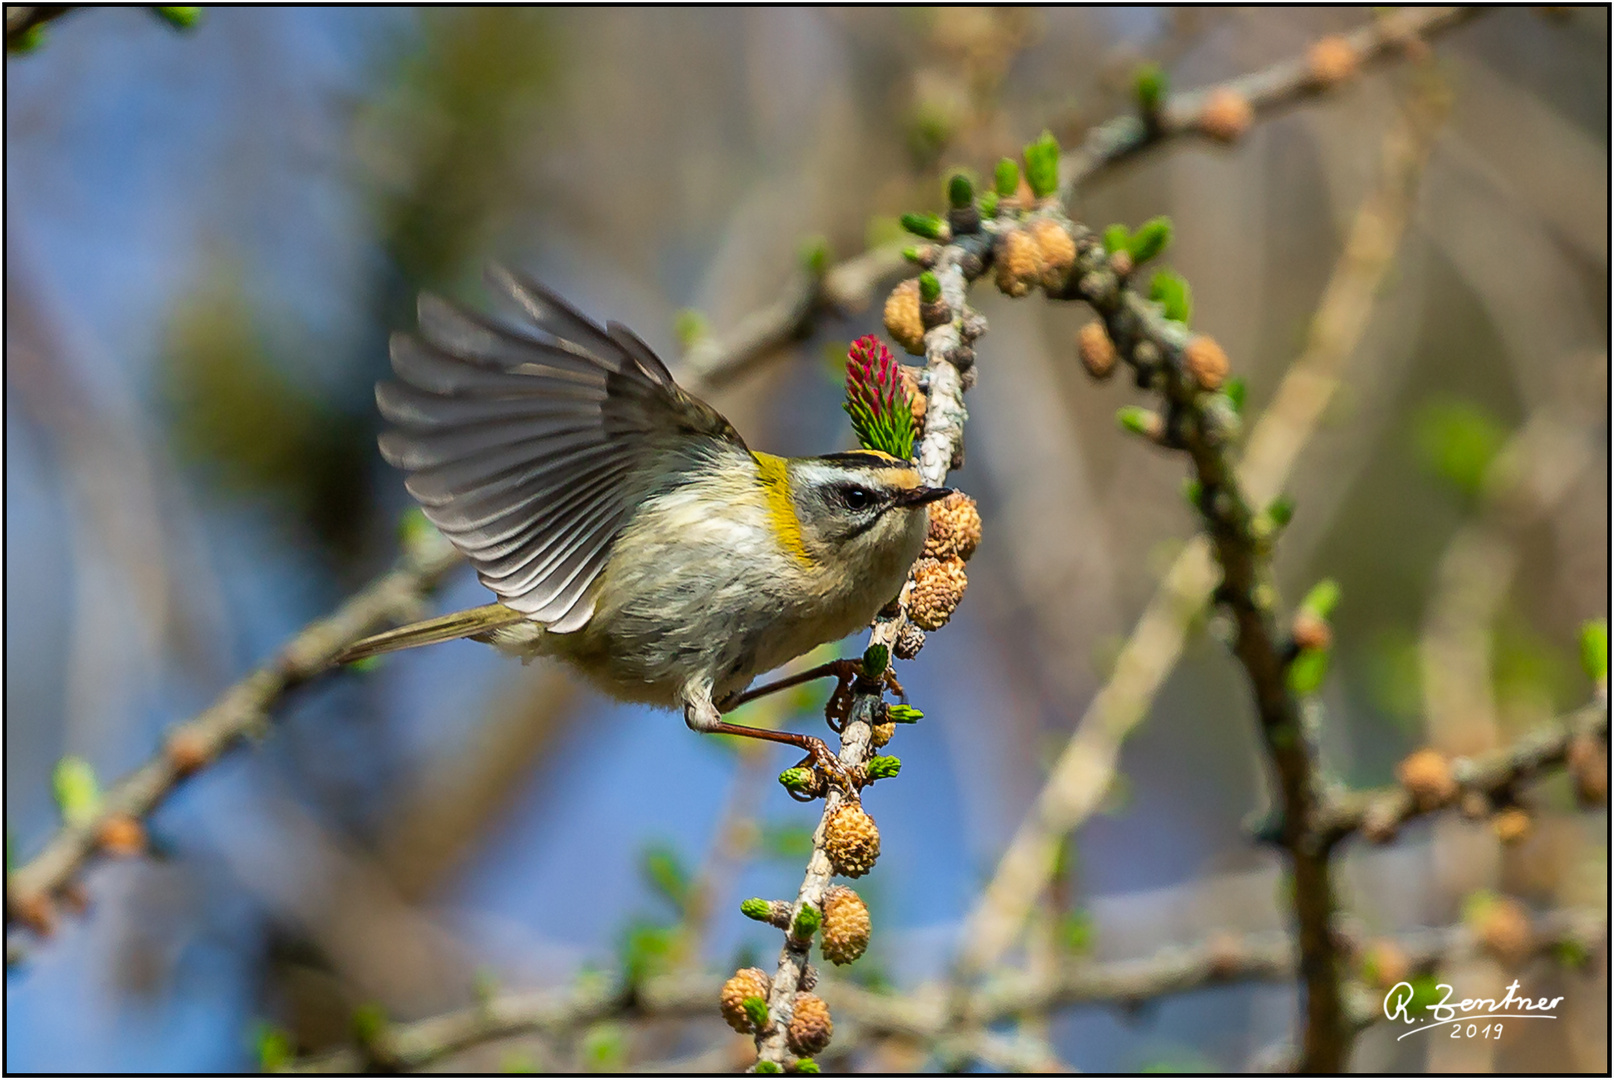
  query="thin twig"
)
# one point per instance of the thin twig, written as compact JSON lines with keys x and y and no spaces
{"x":843,"y":289}
{"x":1491,"y":777}
{"x":1267,"y":91}
{"x":242,"y":711}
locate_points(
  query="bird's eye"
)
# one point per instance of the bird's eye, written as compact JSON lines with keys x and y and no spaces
{"x":857,"y":498}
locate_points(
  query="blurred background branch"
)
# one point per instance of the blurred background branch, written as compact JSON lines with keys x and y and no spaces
{"x":213,"y":235}
{"x":1085,"y":770}
{"x":114,"y":823}
{"x":925,"y":1016}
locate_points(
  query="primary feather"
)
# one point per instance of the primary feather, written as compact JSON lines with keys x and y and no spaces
{"x":530,"y":445}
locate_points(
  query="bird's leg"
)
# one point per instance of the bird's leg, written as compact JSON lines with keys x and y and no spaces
{"x":703,"y":716}
{"x":848,"y":679}
{"x":845,"y":671}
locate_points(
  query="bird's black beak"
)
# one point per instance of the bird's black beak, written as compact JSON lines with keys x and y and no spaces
{"x":921,"y":495}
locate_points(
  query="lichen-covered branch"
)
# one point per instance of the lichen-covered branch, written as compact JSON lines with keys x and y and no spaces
{"x":1224,"y":111}
{"x":948,"y":355}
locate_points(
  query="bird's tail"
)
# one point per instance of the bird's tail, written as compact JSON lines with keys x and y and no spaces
{"x":468,"y":623}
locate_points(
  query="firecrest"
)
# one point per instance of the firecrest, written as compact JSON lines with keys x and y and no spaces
{"x":623,"y":523}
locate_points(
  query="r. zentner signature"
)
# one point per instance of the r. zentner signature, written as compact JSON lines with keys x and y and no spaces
{"x":1469,"y":1010}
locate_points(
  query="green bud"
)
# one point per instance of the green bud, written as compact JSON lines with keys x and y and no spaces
{"x":960,"y":192}
{"x":929,"y":226}
{"x":1281,"y":510}
{"x":806,"y":923}
{"x":1077,"y":932}
{"x":645,"y":948}
{"x":1042,"y":165}
{"x":929,"y":287}
{"x":1170,"y":290}
{"x":275,"y":1050}
{"x":415,"y":531}
{"x":518,"y":1063}
{"x":1138,"y":420}
{"x":1192,"y":490}
{"x":875,"y":659}
{"x":911,"y":254}
{"x":757,"y":908}
{"x":1571,"y":954}
{"x":369,"y":663}
{"x":1150,"y":85}
{"x":1007,"y":177}
{"x":1236,"y":391}
{"x":815,"y":256}
{"x":807,"y":1065}
{"x":1307,"y":671}
{"x":903,"y":714}
{"x":757,"y":1010}
{"x":797,"y":779}
{"x":988,"y":203}
{"x":484,"y":985}
{"x":768,"y":1067}
{"x":28,"y":41}
{"x":689,"y":326}
{"x":1594,"y":650}
{"x":1478,"y":904}
{"x":1150,"y":239}
{"x":180,"y":18}
{"x":1458,"y":441}
{"x":666,"y":873}
{"x":604,"y":1048}
{"x":1116,"y":238}
{"x":884,"y":767}
{"x":78,"y":793}
{"x":1322,"y":599}
{"x":369,"y":1021}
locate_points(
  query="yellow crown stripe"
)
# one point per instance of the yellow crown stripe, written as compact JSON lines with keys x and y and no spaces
{"x":775,"y":476}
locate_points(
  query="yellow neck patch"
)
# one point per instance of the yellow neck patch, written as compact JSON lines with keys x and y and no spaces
{"x":775,"y":476}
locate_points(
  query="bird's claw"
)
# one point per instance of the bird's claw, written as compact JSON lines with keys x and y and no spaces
{"x":827,"y":768}
{"x":849,"y":682}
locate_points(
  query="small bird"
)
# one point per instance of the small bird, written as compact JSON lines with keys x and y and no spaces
{"x":623,"y":523}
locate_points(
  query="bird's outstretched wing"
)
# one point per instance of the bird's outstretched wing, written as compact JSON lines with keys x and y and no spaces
{"x":530,"y":445}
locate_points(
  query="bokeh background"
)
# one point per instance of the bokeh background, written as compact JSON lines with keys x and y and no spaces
{"x":210,"y":235}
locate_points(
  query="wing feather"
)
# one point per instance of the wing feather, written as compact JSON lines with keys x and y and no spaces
{"x":497,"y":519}
{"x":532,"y":445}
{"x":514,"y":529}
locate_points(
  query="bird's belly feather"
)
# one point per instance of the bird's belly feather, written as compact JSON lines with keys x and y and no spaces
{"x":697,"y":592}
